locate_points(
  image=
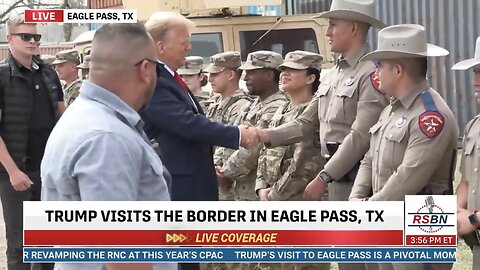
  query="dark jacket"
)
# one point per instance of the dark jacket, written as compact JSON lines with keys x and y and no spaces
{"x":185,"y":137}
{"x":16,"y":101}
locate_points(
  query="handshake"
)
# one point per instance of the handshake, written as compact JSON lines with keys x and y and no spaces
{"x":251,"y":136}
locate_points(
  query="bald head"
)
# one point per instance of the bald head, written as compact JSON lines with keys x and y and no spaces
{"x":123,"y":61}
{"x":117,"y":47}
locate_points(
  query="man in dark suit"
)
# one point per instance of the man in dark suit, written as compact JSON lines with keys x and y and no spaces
{"x":176,"y":120}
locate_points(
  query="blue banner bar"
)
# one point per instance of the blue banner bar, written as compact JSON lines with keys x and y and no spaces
{"x":237,"y":254}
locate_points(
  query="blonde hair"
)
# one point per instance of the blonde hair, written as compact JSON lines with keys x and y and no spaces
{"x":161,"y":22}
{"x":16,"y":20}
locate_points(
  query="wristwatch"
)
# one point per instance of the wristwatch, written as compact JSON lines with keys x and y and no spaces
{"x":474,"y":219}
{"x":325,"y":177}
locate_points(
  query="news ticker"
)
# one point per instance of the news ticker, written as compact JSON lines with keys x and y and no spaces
{"x":80,"y":16}
{"x":420,"y":221}
{"x":239,"y":254}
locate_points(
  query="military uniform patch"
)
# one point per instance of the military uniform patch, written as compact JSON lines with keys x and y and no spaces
{"x":375,"y":81}
{"x":431,"y":123}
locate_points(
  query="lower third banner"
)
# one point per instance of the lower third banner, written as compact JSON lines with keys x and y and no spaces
{"x":240,"y":254}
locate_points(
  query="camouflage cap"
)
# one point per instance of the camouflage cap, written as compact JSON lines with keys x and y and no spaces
{"x":86,"y":63}
{"x":65,"y":56}
{"x":302,"y":60}
{"x":47,"y":58}
{"x":193,"y":65}
{"x":262,"y":59}
{"x":220,"y":61}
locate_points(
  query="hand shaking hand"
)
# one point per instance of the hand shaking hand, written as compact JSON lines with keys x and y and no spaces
{"x":263,"y":135}
{"x":315,"y":190}
{"x":249,"y":136}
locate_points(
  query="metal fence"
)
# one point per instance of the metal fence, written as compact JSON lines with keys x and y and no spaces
{"x":44,"y":49}
{"x":452,"y":24}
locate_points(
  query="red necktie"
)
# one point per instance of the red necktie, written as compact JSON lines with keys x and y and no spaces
{"x":180,"y":81}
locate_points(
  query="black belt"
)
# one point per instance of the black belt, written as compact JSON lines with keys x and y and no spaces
{"x":332,"y":148}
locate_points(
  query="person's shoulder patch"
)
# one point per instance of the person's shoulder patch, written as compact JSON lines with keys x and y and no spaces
{"x":431,"y":123}
{"x":375,"y":81}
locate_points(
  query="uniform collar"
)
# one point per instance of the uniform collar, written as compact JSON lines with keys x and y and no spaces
{"x":408,"y":99}
{"x":97,"y":93}
{"x":271,"y":97}
{"x":74,"y":82}
{"x":167,"y":68}
{"x":225,"y":100}
{"x":354,"y":59}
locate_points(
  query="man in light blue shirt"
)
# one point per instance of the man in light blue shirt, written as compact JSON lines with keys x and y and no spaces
{"x":98,"y":150}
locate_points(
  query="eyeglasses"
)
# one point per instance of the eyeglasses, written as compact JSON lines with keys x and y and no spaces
{"x":27,"y":36}
{"x":146,"y":59}
{"x":157,"y":65}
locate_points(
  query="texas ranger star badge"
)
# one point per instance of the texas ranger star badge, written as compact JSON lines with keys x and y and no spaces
{"x":431,"y":123}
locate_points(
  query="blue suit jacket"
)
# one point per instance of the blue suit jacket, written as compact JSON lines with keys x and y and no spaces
{"x":185,"y":137}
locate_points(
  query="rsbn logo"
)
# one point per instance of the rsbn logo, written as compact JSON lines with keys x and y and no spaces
{"x":430,"y":218}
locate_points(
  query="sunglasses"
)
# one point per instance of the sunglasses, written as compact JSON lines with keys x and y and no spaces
{"x":27,"y":36}
{"x":157,"y":64}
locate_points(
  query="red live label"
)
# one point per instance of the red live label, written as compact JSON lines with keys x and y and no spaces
{"x":431,"y":240}
{"x":43,"y":15}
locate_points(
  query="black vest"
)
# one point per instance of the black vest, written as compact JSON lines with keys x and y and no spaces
{"x":17,"y":96}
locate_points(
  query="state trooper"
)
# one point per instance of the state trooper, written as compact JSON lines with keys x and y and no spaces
{"x":191,"y":74}
{"x":468,"y":199}
{"x":348,"y":102}
{"x":284,"y":171}
{"x":224,"y":78}
{"x":413,"y":144}
{"x":66,"y":63}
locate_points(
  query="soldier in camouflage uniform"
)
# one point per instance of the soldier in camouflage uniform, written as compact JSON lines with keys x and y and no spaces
{"x":262,"y":80}
{"x":224,"y":77}
{"x":192,"y":75}
{"x":284,"y":172}
{"x":85,"y":67}
{"x":66,"y":66}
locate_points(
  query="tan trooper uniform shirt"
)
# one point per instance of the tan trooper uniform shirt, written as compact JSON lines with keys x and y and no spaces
{"x":346,"y":105}
{"x":71,"y":91}
{"x":288,"y":169}
{"x":470,"y":162}
{"x":412,"y":149}
{"x":241,"y":167}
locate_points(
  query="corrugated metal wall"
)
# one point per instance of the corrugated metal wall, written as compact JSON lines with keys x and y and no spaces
{"x":44,"y":49}
{"x":452,"y":24}
{"x":104,"y":4}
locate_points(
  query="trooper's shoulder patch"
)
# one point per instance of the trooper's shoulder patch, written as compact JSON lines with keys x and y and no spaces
{"x":375,"y":81}
{"x":431,"y":123}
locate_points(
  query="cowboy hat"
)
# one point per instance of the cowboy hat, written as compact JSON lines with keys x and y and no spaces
{"x":403,"y":41}
{"x":472,"y":62}
{"x":353,"y":10}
